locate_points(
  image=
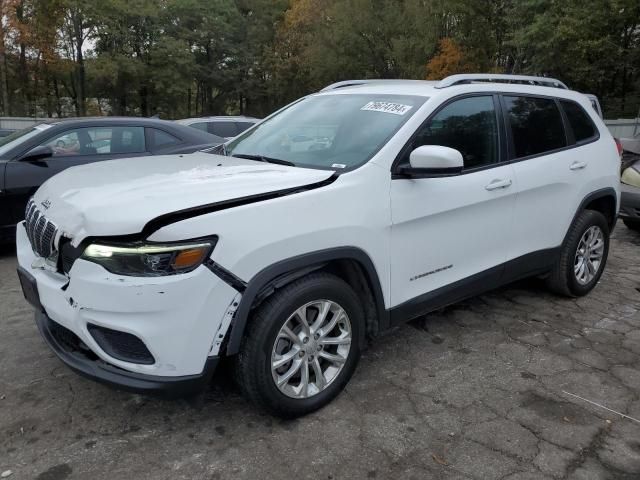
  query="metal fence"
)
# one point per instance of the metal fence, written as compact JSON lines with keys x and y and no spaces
{"x":624,"y":128}
{"x":18,"y":123}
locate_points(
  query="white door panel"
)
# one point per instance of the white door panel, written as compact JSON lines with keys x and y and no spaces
{"x":550,"y":180}
{"x":547,"y":200}
{"x":449,"y":228}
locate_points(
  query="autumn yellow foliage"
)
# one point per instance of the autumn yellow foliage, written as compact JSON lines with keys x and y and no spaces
{"x":449,"y":60}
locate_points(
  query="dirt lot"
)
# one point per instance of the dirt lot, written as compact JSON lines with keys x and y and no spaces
{"x":481,"y":390}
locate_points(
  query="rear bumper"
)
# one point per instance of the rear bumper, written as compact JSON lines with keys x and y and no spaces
{"x":84,"y":362}
{"x":629,"y":202}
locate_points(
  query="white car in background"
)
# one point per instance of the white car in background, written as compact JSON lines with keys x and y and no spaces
{"x":222,"y":126}
{"x":399,"y":198}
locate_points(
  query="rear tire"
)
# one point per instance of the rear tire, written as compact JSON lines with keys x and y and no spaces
{"x":301,"y":346}
{"x":583,"y":256}
{"x":632,"y":224}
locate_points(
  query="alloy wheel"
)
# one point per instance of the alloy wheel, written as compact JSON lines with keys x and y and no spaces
{"x":589,"y":255}
{"x":311,"y":349}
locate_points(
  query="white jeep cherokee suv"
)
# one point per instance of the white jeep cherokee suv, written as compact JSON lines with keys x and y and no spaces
{"x":405,"y":197}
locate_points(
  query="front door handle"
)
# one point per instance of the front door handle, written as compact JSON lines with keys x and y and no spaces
{"x":496,"y":184}
{"x":578,"y":165}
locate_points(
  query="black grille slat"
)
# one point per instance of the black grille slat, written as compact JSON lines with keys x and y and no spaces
{"x":40,"y":231}
{"x":48,"y":237}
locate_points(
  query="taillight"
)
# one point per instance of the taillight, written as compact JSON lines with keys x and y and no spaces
{"x":619,"y":145}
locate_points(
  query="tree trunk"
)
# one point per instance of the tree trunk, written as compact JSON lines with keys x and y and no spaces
{"x":56,"y":92}
{"x":144,"y":101}
{"x":23,"y":105}
{"x":4,"y":86}
{"x":121,"y":92}
{"x":74,"y":97}
{"x":23,"y":76}
{"x":78,"y":33}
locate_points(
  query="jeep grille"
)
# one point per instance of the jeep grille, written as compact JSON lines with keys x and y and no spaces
{"x":41,"y":232}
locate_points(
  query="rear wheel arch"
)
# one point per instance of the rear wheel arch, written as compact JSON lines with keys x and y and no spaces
{"x":349,"y":263}
{"x":603,"y":201}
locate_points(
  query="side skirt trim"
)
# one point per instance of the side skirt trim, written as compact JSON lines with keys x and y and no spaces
{"x":522,"y":267}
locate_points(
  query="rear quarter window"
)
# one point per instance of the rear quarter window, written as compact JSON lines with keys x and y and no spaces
{"x":161,"y":139}
{"x":579,"y":121}
{"x":536,"y":125}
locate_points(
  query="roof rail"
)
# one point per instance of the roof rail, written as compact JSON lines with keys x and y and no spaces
{"x":346,"y":83}
{"x":377,"y":81}
{"x":490,"y":77}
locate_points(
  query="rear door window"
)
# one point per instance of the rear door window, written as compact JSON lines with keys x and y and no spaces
{"x":581,"y":125}
{"x":536,"y":125}
{"x":223,"y":129}
{"x":98,"y":141}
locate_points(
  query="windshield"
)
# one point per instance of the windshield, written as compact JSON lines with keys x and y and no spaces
{"x":16,"y":138}
{"x":328,"y":131}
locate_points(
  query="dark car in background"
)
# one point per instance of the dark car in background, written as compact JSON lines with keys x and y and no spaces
{"x":29,"y":157}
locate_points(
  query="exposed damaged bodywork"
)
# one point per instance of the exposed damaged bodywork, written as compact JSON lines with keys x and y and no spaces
{"x":143,"y":196}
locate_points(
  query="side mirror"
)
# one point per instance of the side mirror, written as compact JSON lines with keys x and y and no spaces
{"x":433,"y":160}
{"x":37,"y":153}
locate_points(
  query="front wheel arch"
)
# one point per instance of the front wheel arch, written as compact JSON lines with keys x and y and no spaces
{"x":293,"y":268}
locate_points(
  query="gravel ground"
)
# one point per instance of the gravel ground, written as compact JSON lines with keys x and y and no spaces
{"x":482,"y":390}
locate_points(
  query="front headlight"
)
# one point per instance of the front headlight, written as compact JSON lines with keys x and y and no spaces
{"x":149,"y":260}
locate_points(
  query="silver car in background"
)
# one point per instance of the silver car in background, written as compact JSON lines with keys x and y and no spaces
{"x":630,"y":183}
{"x":222,"y":126}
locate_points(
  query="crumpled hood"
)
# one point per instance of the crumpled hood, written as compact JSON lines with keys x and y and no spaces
{"x":120,"y":197}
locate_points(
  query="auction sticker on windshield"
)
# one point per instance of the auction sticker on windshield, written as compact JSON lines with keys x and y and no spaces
{"x":387,"y":107}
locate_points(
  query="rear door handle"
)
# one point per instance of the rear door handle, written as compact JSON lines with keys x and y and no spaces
{"x":578,"y":165}
{"x":496,"y":184}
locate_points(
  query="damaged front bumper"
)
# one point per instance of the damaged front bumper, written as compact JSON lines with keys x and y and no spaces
{"x":73,"y":353}
{"x":136,"y":333}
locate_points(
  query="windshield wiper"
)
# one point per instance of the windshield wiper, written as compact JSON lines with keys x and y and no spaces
{"x":262,"y":158}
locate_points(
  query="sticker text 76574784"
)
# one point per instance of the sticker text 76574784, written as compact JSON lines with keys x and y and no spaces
{"x":387,"y":107}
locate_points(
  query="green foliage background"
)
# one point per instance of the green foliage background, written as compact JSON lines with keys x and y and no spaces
{"x":179,"y":58}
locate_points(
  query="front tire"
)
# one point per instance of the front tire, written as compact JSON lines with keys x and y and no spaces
{"x":583,"y":256}
{"x":301,"y":346}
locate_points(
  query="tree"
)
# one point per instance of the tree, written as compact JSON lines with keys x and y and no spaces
{"x":449,"y":60}
{"x":591,"y":44}
{"x":180,"y":58}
